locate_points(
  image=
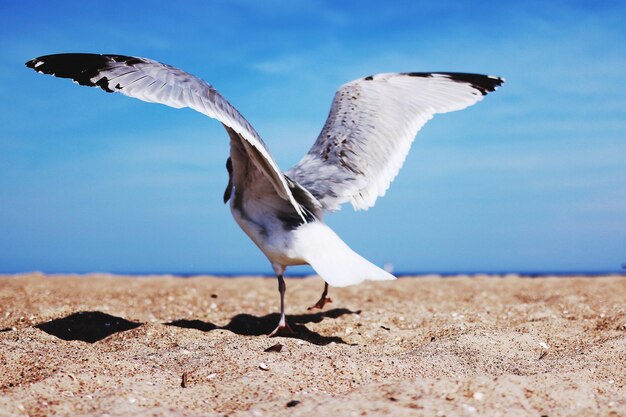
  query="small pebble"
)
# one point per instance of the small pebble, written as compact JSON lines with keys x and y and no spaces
{"x":274,"y":348}
{"x":263,"y":366}
{"x":293,"y":403}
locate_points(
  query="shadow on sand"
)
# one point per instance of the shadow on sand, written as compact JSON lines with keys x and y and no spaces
{"x":88,"y":326}
{"x":249,"y":325}
{"x":93,"y":326}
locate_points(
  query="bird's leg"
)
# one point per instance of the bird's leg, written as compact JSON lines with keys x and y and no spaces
{"x":323,"y":299}
{"x":282,"y":323}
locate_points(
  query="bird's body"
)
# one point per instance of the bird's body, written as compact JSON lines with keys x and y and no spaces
{"x":287,"y":239}
{"x":366,"y":138}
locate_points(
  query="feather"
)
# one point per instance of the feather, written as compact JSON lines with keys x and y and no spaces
{"x":137,"y":77}
{"x":370,"y":128}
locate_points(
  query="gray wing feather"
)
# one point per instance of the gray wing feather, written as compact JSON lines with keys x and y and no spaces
{"x":155,"y":82}
{"x":370,"y":128}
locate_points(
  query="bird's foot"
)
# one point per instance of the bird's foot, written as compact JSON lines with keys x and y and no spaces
{"x":282,"y":327}
{"x":320,"y":303}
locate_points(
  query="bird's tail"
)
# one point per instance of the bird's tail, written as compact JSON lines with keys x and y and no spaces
{"x":332,"y":259}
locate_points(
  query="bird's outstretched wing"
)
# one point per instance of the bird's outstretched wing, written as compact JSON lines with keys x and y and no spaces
{"x":370,"y":128}
{"x":155,"y":82}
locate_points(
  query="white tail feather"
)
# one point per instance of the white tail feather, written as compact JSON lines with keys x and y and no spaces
{"x":332,"y":259}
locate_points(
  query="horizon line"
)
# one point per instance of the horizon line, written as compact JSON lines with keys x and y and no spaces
{"x":530,"y":273}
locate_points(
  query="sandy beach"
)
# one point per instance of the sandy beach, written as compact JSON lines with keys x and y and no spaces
{"x":95,"y":345}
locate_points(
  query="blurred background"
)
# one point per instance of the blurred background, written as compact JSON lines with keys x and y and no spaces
{"x":531,"y":179}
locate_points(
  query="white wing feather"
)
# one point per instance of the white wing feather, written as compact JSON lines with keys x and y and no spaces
{"x":370,"y":128}
{"x":155,"y":82}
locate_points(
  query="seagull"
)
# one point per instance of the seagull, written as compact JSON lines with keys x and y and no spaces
{"x":372,"y":122}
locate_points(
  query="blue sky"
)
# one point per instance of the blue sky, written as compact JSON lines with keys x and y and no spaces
{"x":532,"y":178}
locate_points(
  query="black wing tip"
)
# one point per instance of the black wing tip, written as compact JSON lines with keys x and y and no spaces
{"x":32,"y":63}
{"x":65,"y":59}
{"x":483,"y":83}
{"x":80,"y":67}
